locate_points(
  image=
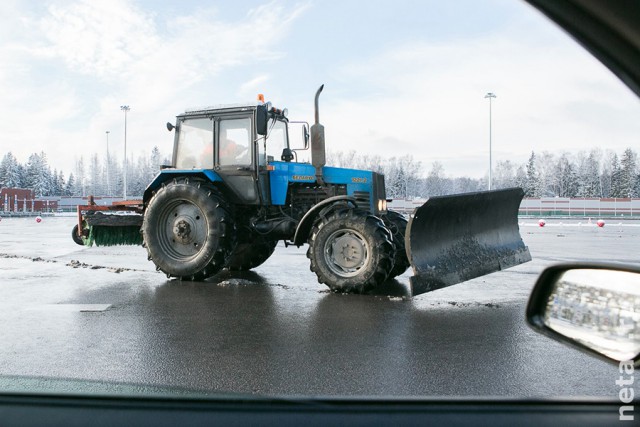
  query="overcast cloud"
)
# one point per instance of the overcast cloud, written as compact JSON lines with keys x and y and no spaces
{"x":407,"y":78}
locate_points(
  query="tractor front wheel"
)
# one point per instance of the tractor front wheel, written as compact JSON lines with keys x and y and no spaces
{"x":188,"y":230}
{"x":397,"y":224}
{"x":350,"y":251}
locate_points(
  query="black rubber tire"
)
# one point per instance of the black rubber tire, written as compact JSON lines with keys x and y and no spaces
{"x":250,"y":255}
{"x":187,"y":230}
{"x":364,"y":236}
{"x":397,"y":224}
{"x":75,"y":237}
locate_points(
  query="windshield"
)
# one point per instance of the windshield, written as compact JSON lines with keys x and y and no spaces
{"x":276,"y":140}
{"x":218,"y":281}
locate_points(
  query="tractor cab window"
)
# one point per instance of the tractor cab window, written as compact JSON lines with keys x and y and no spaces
{"x":276,"y":140}
{"x":235,"y":142}
{"x":195,"y":144}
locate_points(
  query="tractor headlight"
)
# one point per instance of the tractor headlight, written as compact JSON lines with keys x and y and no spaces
{"x":382,"y":205}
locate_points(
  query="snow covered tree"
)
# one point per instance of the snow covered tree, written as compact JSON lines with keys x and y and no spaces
{"x":531,"y":185}
{"x":629,"y":174}
{"x":38,"y":174}
{"x":589,"y":175}
{"x":61,"y":184}
{"x":156,"y":159}
{"x":565,"y":177}
{"x":546,"y":171}
{"x":54,"y":184}
{"x":10,"y":172}
{"x":70,"y":187}
{"x":80,"y":184}
{"x":614,"y":167}
{"x":436,"y":182}
{"x":504,"y":175}
{"x":465,"y":185}
{"x":96,"y":180}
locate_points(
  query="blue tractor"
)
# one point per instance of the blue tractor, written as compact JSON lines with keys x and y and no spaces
{"x":235,"y":188}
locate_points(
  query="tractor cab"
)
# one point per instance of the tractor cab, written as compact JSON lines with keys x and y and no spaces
{"x":233,"y":144}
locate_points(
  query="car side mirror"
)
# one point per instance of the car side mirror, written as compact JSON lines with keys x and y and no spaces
{"x":593,"y":307}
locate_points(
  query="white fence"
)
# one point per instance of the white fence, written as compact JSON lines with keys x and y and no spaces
{"x":555,"y":206}
{"x":561,"y":206}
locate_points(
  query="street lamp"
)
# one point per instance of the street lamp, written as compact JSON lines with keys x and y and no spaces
{"x":125,"y":108}
{"x":490,"y":95}
{"x":108,"y":161}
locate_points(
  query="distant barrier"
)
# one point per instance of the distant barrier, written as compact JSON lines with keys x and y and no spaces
{"x":580,"y":207}
{"x":532,"y":207}
{"x":554,"y":206}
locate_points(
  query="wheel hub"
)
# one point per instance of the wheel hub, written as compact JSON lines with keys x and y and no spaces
{"x":182,"y":228}
{"x":349,"y":252}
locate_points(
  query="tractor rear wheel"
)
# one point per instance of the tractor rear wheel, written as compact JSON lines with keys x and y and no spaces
{"x":250,"y":255}
{"x":187,"y":230}
{"x":397,"y":224}
{"x":350,"y":250}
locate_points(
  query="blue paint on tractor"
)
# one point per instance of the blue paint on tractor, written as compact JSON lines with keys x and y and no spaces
{"x":168,"y":174}
{"x":285,"y":173}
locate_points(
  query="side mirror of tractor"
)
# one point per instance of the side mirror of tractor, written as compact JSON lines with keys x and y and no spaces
{"x":305,"y":135}
{"x":592,"y":307}
{"x":299,"y":135}
{"x":170,"y":127}
{"x":262,"y":119}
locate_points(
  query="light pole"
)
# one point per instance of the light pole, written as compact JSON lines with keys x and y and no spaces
{"x":490,"y":95}
{"x":108,"y":161}
{"x":125,"y":108}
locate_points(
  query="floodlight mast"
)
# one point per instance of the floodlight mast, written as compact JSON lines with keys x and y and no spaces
{"x":490,"y":95}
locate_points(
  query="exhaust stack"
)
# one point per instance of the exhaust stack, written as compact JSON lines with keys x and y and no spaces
{"x":318,"y":153}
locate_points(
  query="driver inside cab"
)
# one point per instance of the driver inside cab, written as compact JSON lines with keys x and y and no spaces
{"x":232,"y":153}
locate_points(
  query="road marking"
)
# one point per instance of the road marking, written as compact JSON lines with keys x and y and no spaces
{"x":82,"y":308}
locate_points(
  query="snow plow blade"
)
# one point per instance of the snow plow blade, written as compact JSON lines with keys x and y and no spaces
{"x":451,"y":239}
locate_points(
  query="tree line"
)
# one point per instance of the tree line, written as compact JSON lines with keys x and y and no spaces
{"x":584,"y":174}
{"x":92,"y":176}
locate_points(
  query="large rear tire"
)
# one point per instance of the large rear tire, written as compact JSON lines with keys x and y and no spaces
{"x":187,"y":230}
{"x":397,"y":224}
{"x":350,"y":251}
{"x":250,"y":255}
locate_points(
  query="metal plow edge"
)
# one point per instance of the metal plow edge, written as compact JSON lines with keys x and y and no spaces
{"x":452,"y":239}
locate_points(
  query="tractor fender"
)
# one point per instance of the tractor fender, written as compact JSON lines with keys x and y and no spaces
{"x":169,"y":174}
{"x":305,"y":224}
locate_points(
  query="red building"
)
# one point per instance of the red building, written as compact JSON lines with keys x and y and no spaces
{"x":24,"y":200}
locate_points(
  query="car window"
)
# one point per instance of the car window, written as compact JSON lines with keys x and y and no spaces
{"x":132,"y":256}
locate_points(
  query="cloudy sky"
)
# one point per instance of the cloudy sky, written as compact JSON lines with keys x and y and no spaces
{"x":401,"y":77}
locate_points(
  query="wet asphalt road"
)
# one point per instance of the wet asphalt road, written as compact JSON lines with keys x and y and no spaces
{"x":105,"y":315}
